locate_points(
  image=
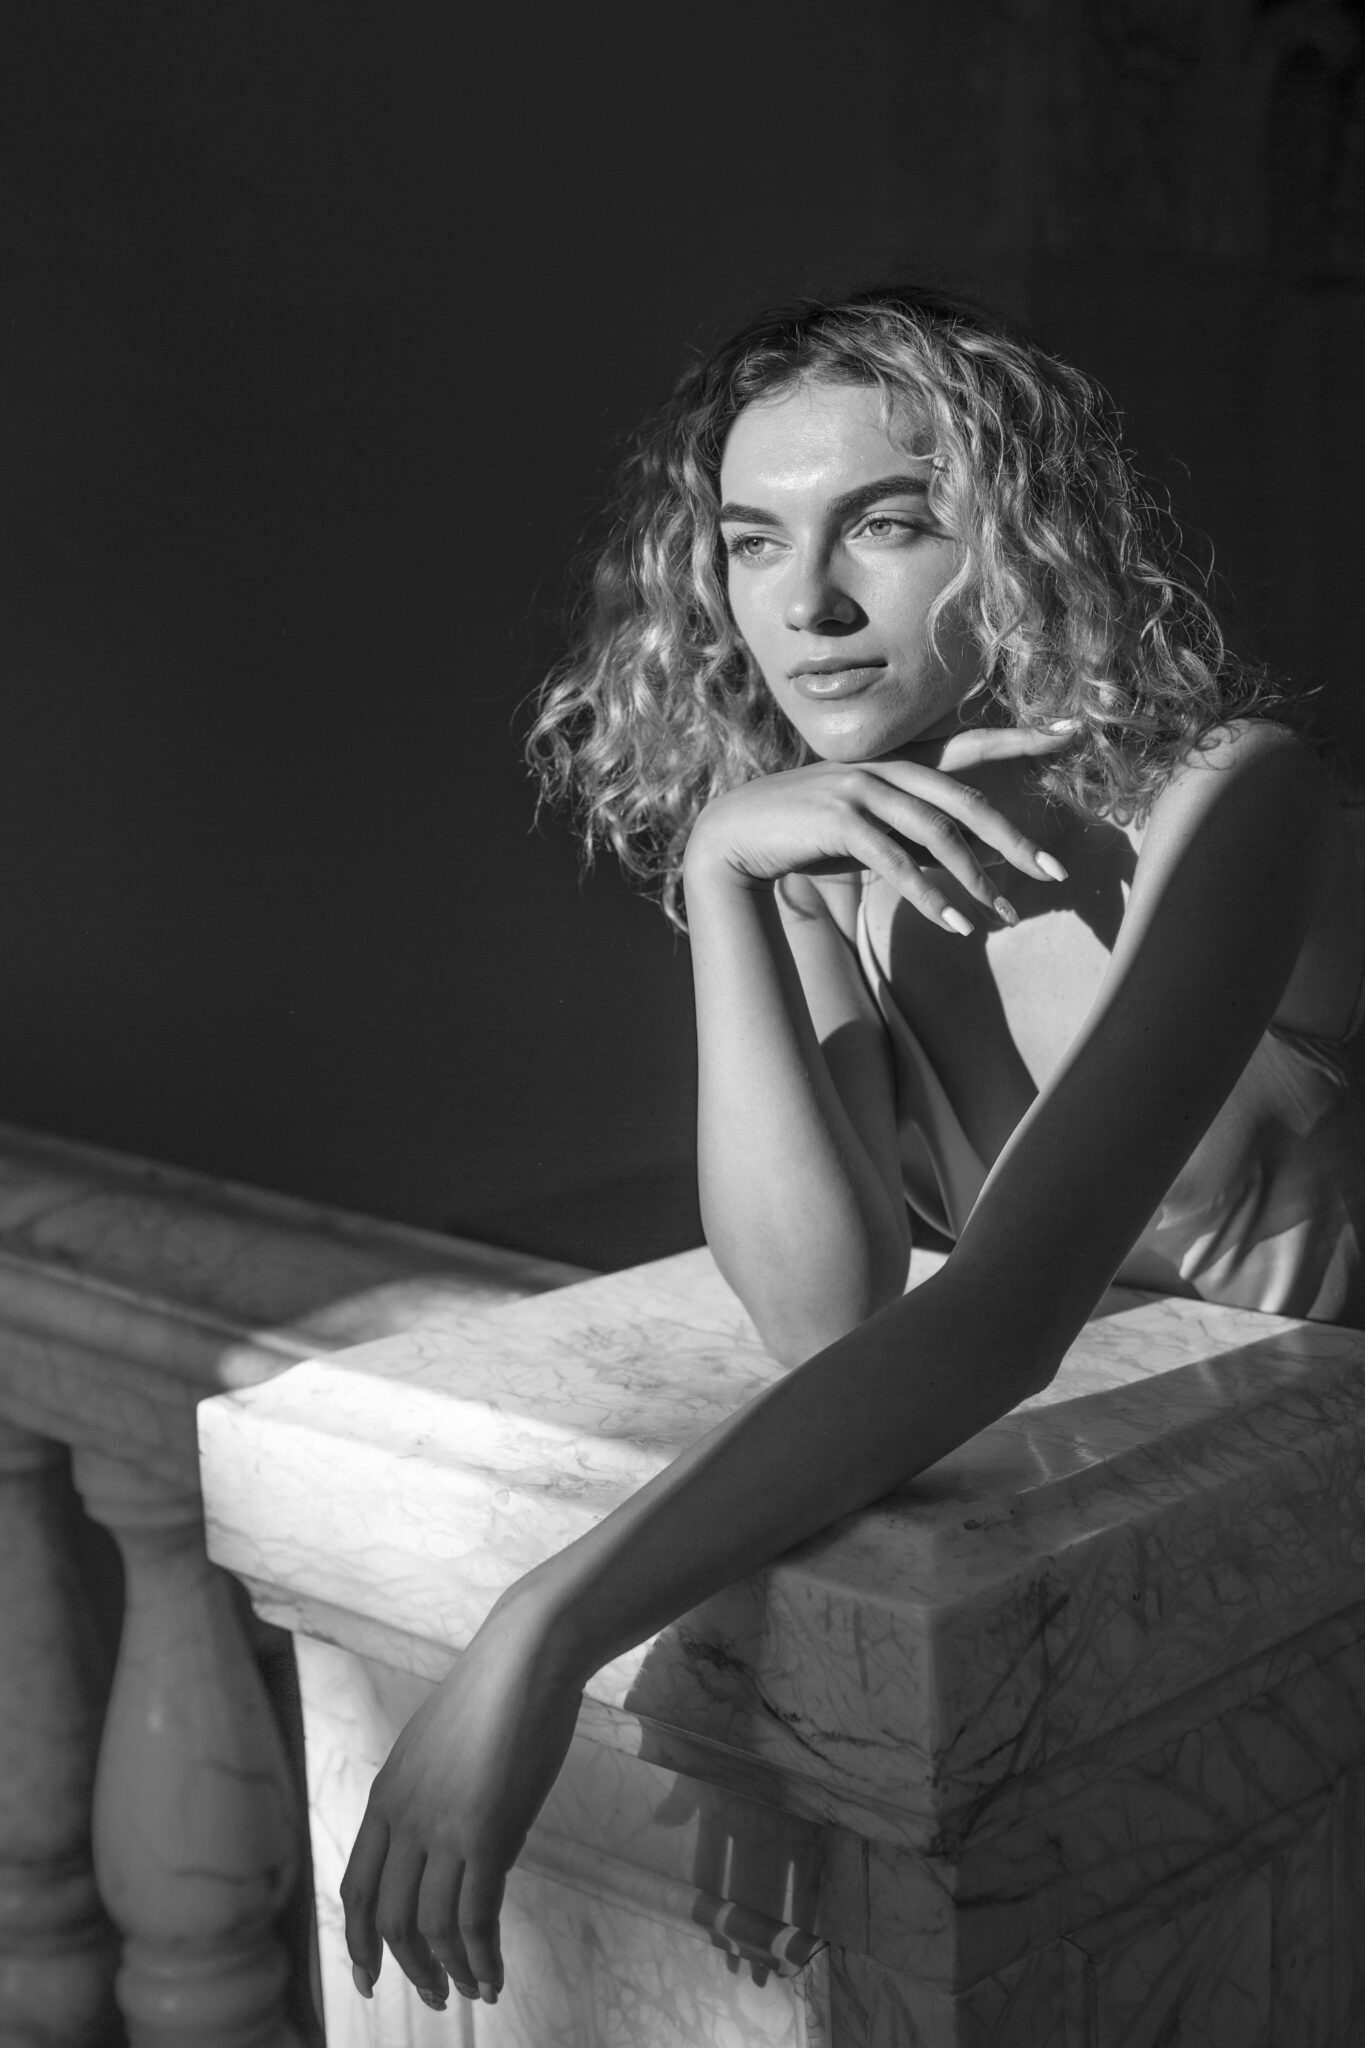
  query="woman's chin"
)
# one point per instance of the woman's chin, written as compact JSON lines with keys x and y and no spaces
{"x":869,"y":741}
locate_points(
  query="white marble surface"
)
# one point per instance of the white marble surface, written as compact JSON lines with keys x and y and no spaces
{"x":256,"y":1259}
{"x":1183,"y":1496}
{"x":129,"y":1289}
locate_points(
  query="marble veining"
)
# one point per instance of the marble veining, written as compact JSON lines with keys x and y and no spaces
{"x":1186,"y":1493}
{"x":1059,"y":1747}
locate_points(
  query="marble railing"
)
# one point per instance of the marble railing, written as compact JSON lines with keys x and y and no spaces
{"x":153,"y":1854}
{"x":1062,"y":1747}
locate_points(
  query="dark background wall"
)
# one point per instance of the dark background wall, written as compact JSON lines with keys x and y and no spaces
{"x":321,"y":321}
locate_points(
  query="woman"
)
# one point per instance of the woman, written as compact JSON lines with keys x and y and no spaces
{"x":1011,"y":897}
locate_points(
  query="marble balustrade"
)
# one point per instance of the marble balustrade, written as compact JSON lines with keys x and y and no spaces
{"x":153,"y":1854}
{"x":1063,"y":1746}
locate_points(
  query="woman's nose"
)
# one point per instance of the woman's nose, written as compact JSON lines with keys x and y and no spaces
{"x":816,"y":599}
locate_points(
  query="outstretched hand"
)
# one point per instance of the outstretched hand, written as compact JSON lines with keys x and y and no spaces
{"x":450,"y":1810}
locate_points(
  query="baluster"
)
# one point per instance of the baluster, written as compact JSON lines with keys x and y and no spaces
{"x":58,"y":1952}
{"x":195,"y":1823}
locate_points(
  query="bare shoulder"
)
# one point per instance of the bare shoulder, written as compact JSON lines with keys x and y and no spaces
{"x":1255,"y":802}
{"x":1247,"y":745}
{"x":1252,"y":773}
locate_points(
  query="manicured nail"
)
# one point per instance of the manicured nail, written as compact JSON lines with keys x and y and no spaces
{"x":363,"y":1981}
{"x":1006,"y":911}
{"x":1050,"y":865}
{"x":487,"y":1993}
{"x":956,"y":922}
{"x":431,"y":1998}
{"x":466,"y":1990}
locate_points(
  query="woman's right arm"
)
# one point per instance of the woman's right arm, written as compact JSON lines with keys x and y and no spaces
{"x":798,"y":1175}
{"x":798,"y":1161}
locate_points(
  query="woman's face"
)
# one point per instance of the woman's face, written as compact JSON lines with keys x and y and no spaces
{"x":833,"y":560}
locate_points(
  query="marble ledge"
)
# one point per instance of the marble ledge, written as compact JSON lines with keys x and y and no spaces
{"x":129,"y":1289}
{"x":1184,"y":1496}
{"x":1224,"y":1794}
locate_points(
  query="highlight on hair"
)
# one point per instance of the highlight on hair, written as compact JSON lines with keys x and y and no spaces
{"x":1068,"y":585}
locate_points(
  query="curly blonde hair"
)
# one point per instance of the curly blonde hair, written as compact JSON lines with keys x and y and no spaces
{"x":1068,"y":585}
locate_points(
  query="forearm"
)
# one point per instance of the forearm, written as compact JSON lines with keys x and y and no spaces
{"x":840,"y":1431}
{"x":799,"y":1215}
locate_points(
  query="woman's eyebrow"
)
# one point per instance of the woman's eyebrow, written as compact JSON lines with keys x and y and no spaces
{"x":842,"y":507}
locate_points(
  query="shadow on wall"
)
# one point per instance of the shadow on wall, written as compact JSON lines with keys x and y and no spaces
{"x":319,"y":330}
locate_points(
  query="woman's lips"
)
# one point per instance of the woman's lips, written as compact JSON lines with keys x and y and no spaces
{"x":837,"y":682}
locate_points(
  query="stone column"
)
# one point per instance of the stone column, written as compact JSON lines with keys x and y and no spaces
{"x":58,"y":1951}
{"x":195,"y":1827}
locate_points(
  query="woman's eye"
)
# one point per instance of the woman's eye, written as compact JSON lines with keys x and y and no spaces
{"x":747,"y":547}
{"x":885,"y":526}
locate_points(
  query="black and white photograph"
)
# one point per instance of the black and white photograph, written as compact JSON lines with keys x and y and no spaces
{"x":682,"y":1065}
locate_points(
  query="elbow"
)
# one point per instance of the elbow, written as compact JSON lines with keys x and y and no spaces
{"x":1037,"y":1371}
{"x":800,"y":1306}
{"x":791,"y":1348}
{"x":792,"y":1333}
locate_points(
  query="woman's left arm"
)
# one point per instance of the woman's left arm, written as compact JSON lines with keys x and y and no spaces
{"x":1223,"y":896}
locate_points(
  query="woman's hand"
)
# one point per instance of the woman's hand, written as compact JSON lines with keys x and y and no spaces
{"x":833,"y":817}
{"x":450,"y":1810}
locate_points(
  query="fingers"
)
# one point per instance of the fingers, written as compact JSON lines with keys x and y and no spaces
{"x":438,"y":1921}
{"x":927,"y":794}
{"x":932,"y":828}
{"x":428,"y":1912}
{"x":359,"y":1891}
{"x":994,"y":743}
{"x":885,"y":856}
{"x":395,"y":1917}
{"x":480,"y":1904}
{"x":925,"y":825}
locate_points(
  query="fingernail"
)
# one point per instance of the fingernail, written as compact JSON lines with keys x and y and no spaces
{"x":1006,"y":911}
{"x":956,"y":922}
{"x":431,"y":1998}
{"x":363,"y":1981}
{"x":1050,"y":865}
{"x":466,"y":1990}
{"x":487,"y":1993}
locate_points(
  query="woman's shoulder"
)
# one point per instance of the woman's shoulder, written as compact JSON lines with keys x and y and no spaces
{"x":1258,"y":790}
{"x":1239,"y":744}
{"x":1244,"y":765}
